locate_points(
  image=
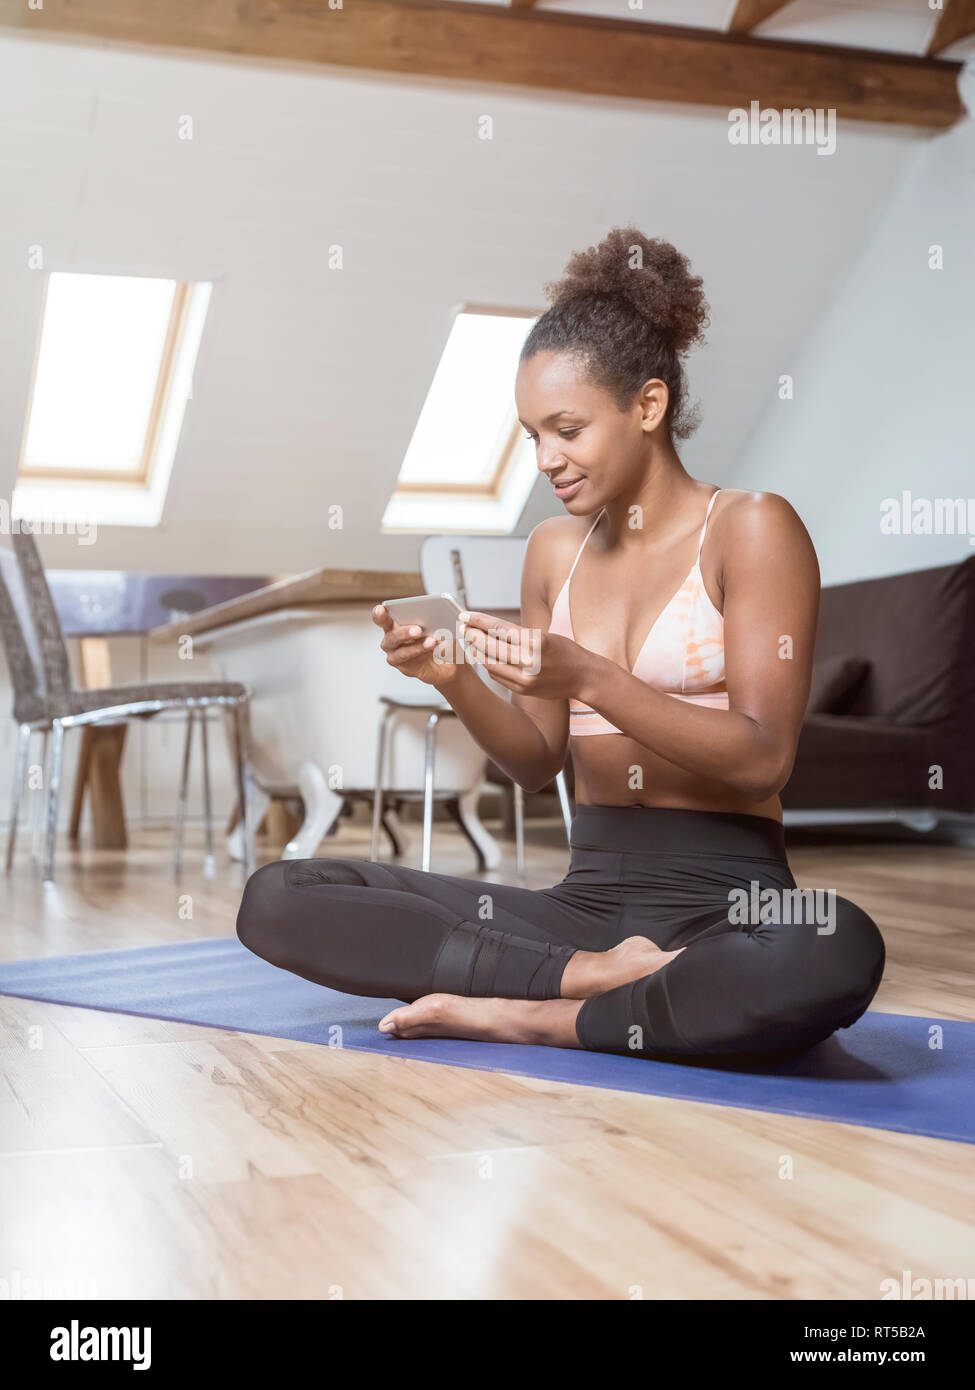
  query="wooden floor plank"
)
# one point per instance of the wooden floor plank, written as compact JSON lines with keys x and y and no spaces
{"x":151,"y":1159}
{"x":50,"y":1095}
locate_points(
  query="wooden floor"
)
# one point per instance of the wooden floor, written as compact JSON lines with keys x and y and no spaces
{"x":145,"y":1159}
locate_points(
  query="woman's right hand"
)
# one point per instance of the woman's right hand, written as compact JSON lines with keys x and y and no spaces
{"x":406,"y":648}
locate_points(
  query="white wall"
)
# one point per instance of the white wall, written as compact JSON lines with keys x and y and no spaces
{"x":310,"y":380}
{"x":885,"y":385}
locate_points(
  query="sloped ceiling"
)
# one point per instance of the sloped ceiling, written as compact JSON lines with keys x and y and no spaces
{"x":310,"y":379}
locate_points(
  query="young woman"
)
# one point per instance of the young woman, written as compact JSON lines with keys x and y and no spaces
{"x":668,"y":633}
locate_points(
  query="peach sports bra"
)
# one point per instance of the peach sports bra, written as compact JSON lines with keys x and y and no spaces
{"x":683,"y":654}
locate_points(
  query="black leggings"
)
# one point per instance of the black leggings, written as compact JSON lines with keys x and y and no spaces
{"x":765,"y":972}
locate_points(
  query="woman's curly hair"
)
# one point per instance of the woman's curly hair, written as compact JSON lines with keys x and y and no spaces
{"x":630,"y":309}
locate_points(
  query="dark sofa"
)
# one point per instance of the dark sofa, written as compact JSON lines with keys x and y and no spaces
{"x":893,"y":696}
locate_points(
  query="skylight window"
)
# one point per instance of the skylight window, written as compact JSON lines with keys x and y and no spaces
{"x":468,"y":464}
{"x":112,"y":376}
{"x":103,"y":374}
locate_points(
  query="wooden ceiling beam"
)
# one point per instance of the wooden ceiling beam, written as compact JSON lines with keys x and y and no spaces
{"x":957,"y":21}
{"x":748,"y":13}
{"x":548,"y":51}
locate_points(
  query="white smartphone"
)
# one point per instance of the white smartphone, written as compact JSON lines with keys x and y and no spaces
{"x":432,"y":612}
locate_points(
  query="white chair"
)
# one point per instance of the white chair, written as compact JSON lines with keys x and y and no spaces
{"x":484,"y":573}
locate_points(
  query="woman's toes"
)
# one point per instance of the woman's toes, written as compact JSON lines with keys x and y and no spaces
{"x":426,"y":1012}
{"x":390,"y":1023}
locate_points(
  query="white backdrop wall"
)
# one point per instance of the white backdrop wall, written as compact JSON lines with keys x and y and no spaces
{"x":884,"y":386}
{"x":310,"y":380}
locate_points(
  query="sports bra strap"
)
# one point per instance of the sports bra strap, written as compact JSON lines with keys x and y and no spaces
{"x":700,"y":544}
{"x":707,"y":515}
{"x":583,"y":546}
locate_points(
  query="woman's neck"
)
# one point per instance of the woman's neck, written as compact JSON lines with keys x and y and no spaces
{"x":664,"y":503}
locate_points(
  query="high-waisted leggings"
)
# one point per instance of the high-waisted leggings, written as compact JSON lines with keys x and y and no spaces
{"x":763,"y":973}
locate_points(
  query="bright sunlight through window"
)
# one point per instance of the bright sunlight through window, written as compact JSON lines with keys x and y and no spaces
{"x":103,"y":376}
{"x":467,"y":464}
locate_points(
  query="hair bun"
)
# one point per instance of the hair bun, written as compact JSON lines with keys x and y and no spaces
{"x":648,"y":272}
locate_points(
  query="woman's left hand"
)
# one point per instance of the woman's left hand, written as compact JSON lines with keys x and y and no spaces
{"x":523,"y":659}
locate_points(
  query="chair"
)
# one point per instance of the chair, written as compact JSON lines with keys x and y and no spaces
{"x":46,"y":701}
{"x":434,"y":708}
{"x":492,"y":566}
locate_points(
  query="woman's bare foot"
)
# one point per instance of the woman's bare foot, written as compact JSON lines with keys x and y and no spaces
{"x":594,"y":972}
{"x":548,"y":1022}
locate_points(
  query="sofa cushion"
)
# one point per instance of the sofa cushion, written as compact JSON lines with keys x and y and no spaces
{"x":844,"y":762}
{"x":835,"y":682}
{"x":917,"y":630}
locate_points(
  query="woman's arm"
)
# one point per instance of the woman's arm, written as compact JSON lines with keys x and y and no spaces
{"x":770,"y":579}
{"x":526,"y":738}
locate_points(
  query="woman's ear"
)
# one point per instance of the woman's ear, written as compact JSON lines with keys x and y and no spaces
{"x":654,"y":400}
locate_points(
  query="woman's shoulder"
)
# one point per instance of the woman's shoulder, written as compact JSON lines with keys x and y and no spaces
{"x":755,"y":532}
{"x":559,"y":536}
{"x":551,"y":548}
{"x":749,"y":515}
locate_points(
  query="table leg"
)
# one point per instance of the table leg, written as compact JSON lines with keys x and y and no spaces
{"x":107,"y":810}
{"x":99,"y":764}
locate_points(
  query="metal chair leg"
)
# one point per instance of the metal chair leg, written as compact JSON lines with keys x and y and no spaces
{"x":209,"y":863}
{"x":429,"y":758}
{"x":564,"y":803}
{"x":519,"y":828}
{"x":240,"y":762}
{"x":53,"y":790}
{"x":183,"y":788}
{"x":377,"y":794}
{"x":37,"y":803}
{"x":20,"y":772}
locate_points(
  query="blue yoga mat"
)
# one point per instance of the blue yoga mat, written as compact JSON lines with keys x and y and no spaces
{"x":882,"y":1072}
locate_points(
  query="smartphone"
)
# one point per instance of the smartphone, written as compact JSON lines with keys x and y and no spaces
{"x":432,"y":612}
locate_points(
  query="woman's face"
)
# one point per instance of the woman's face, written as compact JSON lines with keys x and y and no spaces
{"x":589,"y":449}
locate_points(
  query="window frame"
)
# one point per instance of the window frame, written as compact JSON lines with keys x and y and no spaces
{"x":491,"y":488}
{"x":141,"y":477}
